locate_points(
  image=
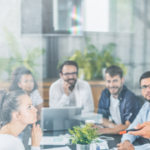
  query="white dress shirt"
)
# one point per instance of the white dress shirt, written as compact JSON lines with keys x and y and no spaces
{"x":81,"y":96}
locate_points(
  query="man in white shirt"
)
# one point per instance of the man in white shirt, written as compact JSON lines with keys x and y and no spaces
{"x":70,"y":91}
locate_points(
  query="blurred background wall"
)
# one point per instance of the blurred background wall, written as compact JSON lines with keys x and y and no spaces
{"x":45,"y":24}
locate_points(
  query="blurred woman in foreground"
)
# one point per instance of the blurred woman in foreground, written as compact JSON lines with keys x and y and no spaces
{"x":16,"y":113}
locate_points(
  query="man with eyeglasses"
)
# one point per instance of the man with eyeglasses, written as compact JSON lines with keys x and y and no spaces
{"x":69,"y":90}
{"x":143,"y":116}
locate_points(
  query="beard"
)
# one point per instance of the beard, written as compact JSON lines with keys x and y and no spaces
{"x":116,"y":87}
{"x":148,"y":100}
{"x":72,"y":84}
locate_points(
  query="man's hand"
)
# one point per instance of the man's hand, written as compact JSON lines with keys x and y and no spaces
{"x":107,"y":123}
{"x":36,"y":135}
{"x":144,"y":132}
{"x":126,"y":145}
{"x":66,"y":88}
{"x":100,"y":130}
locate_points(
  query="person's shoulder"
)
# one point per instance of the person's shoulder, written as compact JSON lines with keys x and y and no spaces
{"x":57,"y":83}
{"x":129,"y":94}
{"x":14,"y":142}
{"x":8,"y":136}
{"x":145,"y":106}
{"x":105,"y":94}
{"x":80,"y":81}
{"x":83,"y":84}
{"x":35,"y":92}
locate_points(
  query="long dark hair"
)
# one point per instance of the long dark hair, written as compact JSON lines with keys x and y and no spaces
{"x":16,"y":76}
{"x":8,"y":104}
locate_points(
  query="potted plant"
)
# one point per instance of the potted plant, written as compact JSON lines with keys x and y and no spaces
{"x":85,"y":67}
{"x":108,"y":59}
{"x":83,"y":136}
{"x":92,"y":62}
{"x":16,"y":59}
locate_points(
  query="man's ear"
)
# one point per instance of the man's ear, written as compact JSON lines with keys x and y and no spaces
{"x":15,"y":116}
{"x":60,"y":75}
{"x":122,"y":79}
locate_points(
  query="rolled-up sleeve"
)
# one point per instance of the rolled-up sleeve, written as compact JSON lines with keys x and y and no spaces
{"x":56,"y":98}
{"x":137,"y":120}
{"x":142,"y":147}
{"x":132,"y":107}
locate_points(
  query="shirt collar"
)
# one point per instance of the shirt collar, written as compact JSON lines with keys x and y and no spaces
{"x":121,"y":94}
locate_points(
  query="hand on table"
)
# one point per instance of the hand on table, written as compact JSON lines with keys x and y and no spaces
{"x":144,"y":132}
{"x":36,"y":135}
{"x":66,"y":88}
{"x":107,"y":123}
{"x":100,"y":130}
{"x":126,"y":145}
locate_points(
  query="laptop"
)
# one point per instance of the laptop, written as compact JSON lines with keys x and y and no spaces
{"x":53,"y":119}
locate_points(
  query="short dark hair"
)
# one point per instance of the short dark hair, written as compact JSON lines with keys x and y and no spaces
{"x":144,"y":76}
{"x":69,"y":63}
{"x":8,"y":104}
{"x":16,"y":76}
{"x":114,"y":70}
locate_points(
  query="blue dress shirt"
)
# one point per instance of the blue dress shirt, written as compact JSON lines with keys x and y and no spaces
{"x":143,"y":116}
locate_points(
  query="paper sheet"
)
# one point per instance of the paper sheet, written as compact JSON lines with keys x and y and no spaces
{"x":52,"y":140}
{"x":60,"y":148}
{"x":103,"y":145}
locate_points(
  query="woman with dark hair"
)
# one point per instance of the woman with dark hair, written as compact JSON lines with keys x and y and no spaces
{"x":22,"y":78}
{"x":16,"y":112}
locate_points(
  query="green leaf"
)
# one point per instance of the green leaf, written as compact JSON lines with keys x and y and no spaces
{"x":17,"y":59}
{"x":83,"y":135}
{"x":12,"y":42}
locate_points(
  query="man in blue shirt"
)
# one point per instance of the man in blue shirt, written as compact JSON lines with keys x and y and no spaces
{"x":143,"y":116}
{"x":117,"y":102}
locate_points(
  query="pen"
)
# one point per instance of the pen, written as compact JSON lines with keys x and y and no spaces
{"x":126,"y":131}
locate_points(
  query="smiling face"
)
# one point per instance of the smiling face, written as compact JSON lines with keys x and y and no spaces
{"x":26,"y":83}
{"x":27,"y":113}
{"x":146,"y":92}
{"x":69,"y":74}
{"x":114,"y":84}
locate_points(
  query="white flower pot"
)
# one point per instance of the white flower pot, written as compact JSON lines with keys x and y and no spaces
{"x":83,"y":147}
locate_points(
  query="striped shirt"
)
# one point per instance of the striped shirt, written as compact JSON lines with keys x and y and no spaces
{"x":36,"y":98}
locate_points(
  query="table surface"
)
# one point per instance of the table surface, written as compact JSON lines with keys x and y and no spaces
{"x":111,"y":144}
{"x":27,"y":135}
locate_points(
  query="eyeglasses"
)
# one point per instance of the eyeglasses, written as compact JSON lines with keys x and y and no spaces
{"x":74,"y":74}
{"x":144,"y":87}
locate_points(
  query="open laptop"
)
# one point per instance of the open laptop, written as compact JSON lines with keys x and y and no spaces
{"x":53,"y":119}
